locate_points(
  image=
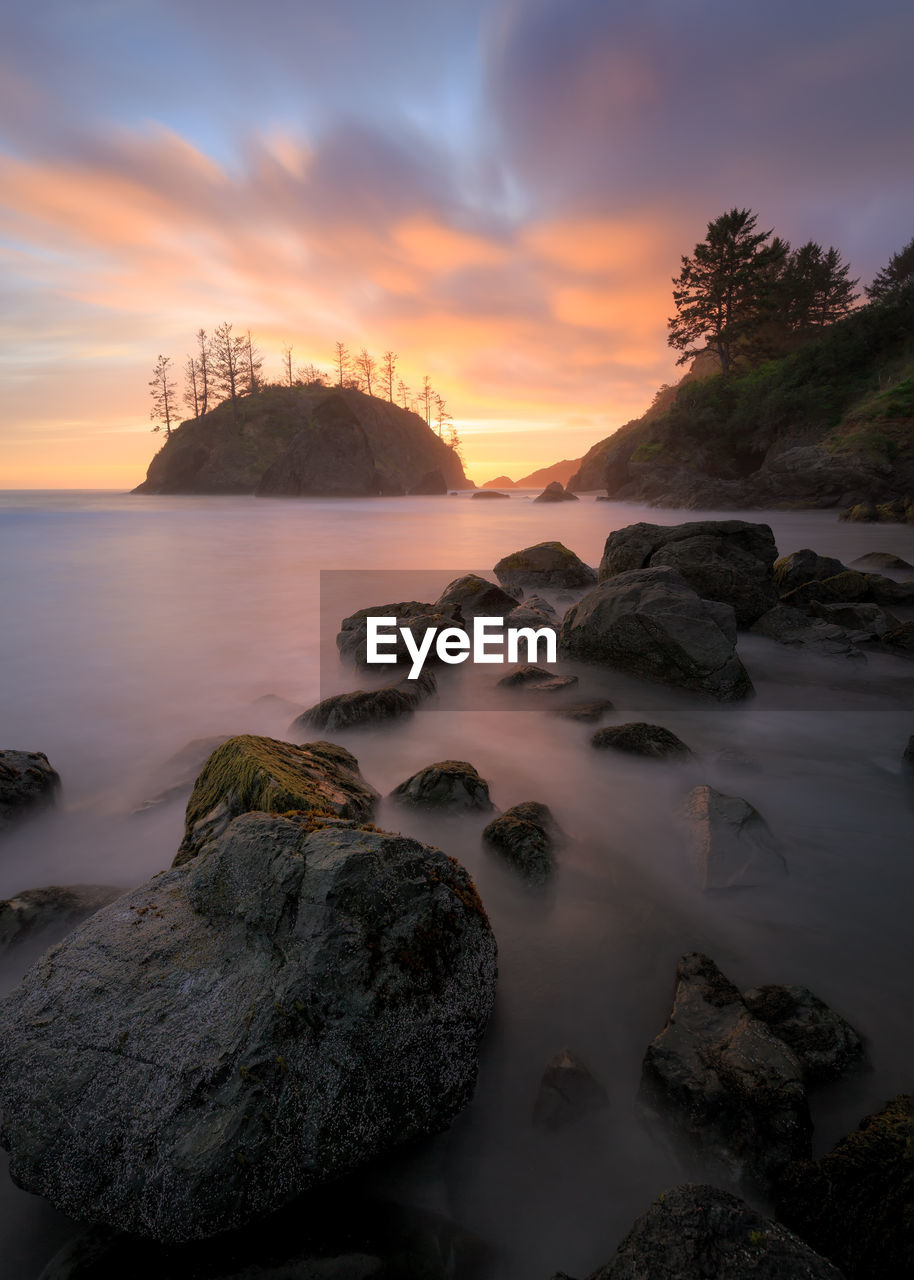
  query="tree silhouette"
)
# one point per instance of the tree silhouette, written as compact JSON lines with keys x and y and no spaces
{"x":252,"y":364}
{"x":192,"y":386}
{"x":342,"y":362}
{"x":162,"y":390}
{"x":898,"y":274}
{"x":426,"y":395}
{"x":287,"y":365}
{"x":365,"y":367}
{"x":204,"y":373}
{"x":404,"y":393}
{"x":390,"y":364}
{"x":229,"y":354}
{"x":815,"y":288}
{"x":442,"y":417}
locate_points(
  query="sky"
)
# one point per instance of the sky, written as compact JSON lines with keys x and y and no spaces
{"x":498,"y":190}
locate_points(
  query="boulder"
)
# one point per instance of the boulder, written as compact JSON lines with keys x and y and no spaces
{"x":539,"y":679}
{"x":556,"y":492}
{"x":267,"y":1017}
{"x":731,"y":844}
{"x":249,"y":773}
{"x":695,"y":1232}
{"x":861,"y":621}
{"x":725,"y":560}
{"x":729,"y":1084}
{"x":805,"y":566}
{"x":349,"y":710}
{"x":824,"y":1043}
{"x":528,"y":614}
{"x":433,"y":482}
{"x":545,"y":566}
{"x":874,"y":560}
{"x":652,"y":623}
{"x":885,"y":590}
{"x":28,"y":784}
{"x":449,"y":784}
{"x":526,"y":835}
{"x":584,"y":712}
{"x":351,"y":640}
{"x":640,"y":739}
{"x":900,"y":636}
{"x":567,"y":1093}
{"x":855,"y":1204}
{"x":475,"y":596}
{"x":794,"y":627}
{"x":56,"y":907}
{"x":489,"y":493}
{"x":838,"y":589}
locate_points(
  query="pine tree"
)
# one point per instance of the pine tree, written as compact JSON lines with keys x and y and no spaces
{"x":342,"y":362}
{"x":815,"y":287}
{"x":163,"y":392}
{"x":365,"y":368}
{"x":228,"y":357}
{"x":898,"y":274}
{"x":192,"y":386}
{"x":390,"y":364}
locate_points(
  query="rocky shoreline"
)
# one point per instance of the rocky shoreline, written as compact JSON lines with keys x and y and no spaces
{"x":302,"y":992}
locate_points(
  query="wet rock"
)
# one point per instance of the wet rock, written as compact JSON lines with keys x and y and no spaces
{"x":475,"y":596}
{"x":449,"y":784}
{"x":545,"y":566}
{"x":900,"y":636}
{"x":28,"y":784}
{"x":695,"y":1232}
{"x":349,"y":710}
{"x":539,"y":679}
{"x":805,"y":566}
{"x":352,"y":638}
{"x":887,"y":591}
{"x":854,"y":1204}
{"x":55,"y":907}
{"x":329,"y":1236}
{"x":433,"y":482}
{"x":876,"y":560}
{"x":537,"y":604}
{"x":258,"y":1022}
{"x":861,"y":621}
{"x":556,"y":492}
{"x":249,"y":773}
{"x":732,"y":845}
{"x":650,"y":622}
{"x":860,"y":513}
{"x":640,"y":739}
{"x":841,"y":588}
{"x":729,"y":561}
{"x":584,"y":712}
{"x":526,"y":835}
{"x":825,"y":1044}
{"x":730,"y":1085}
{"x":794,"y":627}
{"x":567,"y":1092}
{"x":489,"y":493}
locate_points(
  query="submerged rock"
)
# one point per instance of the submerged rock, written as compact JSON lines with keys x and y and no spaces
{"x":584,"y":712}
{"x":249,"y":773}
{"x":729,"y":561}
{"x":489,"y":493}
{"x":855,"y":1204}
{"x":567,"y":1092}
{"x":449,"y":784}
{"x":650,"y":622}
{"x":881,"y":560}
{"x":540,"y":679}
{"x":640,"y":739}
{"x":556,"y":492}
{"x":348,"y":710}
{"x":545,"y":566}
{"x":28,"y":784}
{"x":730,"y":1084}
{"x":255,"y":1023}
{"x":526,"y":835}
{"x":54,"y":907}
{"x":732,"y":845}
{"x":824,"y":1043}
{"x":695,"y":1232}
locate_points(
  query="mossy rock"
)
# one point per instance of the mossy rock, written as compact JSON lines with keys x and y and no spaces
{"x":842,"y":588}
{"x":856,"y":1204}
{"x":640,"y":739}
{"x":526,"y":837}
{"x":248,"y":774}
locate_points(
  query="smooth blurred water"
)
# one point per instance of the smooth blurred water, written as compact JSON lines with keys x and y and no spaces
{"x":131,"y":626}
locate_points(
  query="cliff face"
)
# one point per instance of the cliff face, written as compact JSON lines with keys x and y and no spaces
{"x":297,"y":441}
{"x":830,"y":425}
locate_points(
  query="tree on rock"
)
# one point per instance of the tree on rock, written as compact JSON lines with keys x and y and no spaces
{"x":390,"y":364}
{"x":229,"y":354}
{"x":366,"y":366}
{"x":163,"y":392}
{"x":897,"y":275}
{"x":203,"y":362}
{"x":723,"y":293}
{"x":252,"y":365}
{"x":342,"y":361}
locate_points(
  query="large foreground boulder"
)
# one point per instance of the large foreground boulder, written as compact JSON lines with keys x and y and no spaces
{"x":242,"y":1028}
{"x":250,"y":773}
{"x":726,"y":560}
{"x":732,"y":1086}
{"x":731,"y":844}
{"x":652,"y":623}
{"x":695,"y":1232}
{"x":856,"y":1204}
{"x":545,"y":566}
{"x":28,"y":784}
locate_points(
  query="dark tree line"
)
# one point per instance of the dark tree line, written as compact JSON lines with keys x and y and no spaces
{"x":226,"y":366}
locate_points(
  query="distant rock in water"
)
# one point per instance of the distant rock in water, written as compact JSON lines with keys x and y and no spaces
{"x":568,"y":1092}
{"x":300,"y":441}
{"x":55,"y":907}
{"x":27,"y":785}
{"x":270,"y":1016}
{"x":449,"y":784}
{"x":732,"y":845}
{"x":556,"y":492}
{"x":526,"y":836}
{"x":640,"y":739}
{"x":489,"y":493}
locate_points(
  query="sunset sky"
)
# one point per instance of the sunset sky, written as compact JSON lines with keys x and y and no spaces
{"x":499,"y":190}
